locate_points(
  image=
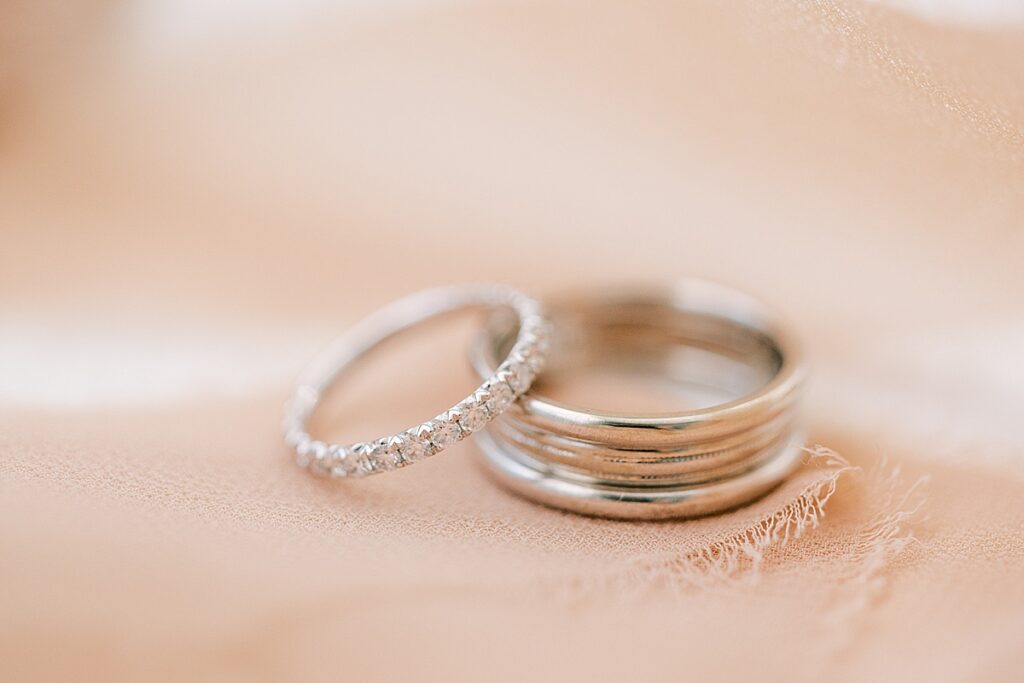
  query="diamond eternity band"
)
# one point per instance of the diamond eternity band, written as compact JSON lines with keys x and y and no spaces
{"x":512,"y":377}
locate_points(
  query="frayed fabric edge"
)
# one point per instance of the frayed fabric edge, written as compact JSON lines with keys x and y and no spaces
{"x":732,"y":561}
{"x":739,"y":558}
{"x":738,"y":561}
{"x":745,"y":551}
{"x":896,"y":507}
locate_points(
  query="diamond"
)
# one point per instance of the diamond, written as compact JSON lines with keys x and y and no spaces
{"x":521,"y":376}
{"x":444,"y":432}
{"x":325,"y":460}
{"x":535,"y":360}
{"x":341,"y":463}
{"x":395,"y":451}
{"x":303,"y":453}
{"x":501,"y":396}
{"x":310,"y":453}
{"x":537,"y":337}
{"x":410,"y":447}
{"x":381,"y":457}
{"x":359,"y":463}
{"x":294,"y":436}
{"x":474,"y":417}
{"x":526,"y":352}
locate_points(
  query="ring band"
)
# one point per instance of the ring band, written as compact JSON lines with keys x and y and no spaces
{"x":507,"y":381}
{"x":647,"y":466}
{"x":599,"y":498}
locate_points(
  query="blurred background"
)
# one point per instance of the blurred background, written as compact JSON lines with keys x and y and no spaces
{"x":178,"y":175}
{"x":195,"y":196}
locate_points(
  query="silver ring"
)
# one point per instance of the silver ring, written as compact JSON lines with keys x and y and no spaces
{"x":532,"y":480}
{"x":647,"y":466}
{"x":507,"y":381}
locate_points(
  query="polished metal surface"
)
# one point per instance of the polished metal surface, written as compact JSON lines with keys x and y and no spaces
{"x":533,"y":480}
{"x":653,"y":465}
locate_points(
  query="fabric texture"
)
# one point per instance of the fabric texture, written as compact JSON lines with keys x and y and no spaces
{"x":189,"y":209}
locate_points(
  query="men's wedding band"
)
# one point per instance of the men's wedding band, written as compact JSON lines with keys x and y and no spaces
{"x":653,"y":465}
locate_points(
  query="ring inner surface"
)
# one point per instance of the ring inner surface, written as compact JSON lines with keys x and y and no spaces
{"x":410,"y":374}
{"x":647,"y":357}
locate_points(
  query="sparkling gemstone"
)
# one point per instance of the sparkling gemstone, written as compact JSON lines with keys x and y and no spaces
{"x":359,"y":463}
{"x":341,"y":463}
{"x":538,"y":339}
{"x":381,"y":457}
{"x":395,"y":451}
{"x":310,"y":452}
{"x":411,"y":448}
{"x":474,"y":417}
{"x":293,"y":436}
{"x":521,"y":377}
{"x":501,"y":396}
{"x":325,"y":460}
{"x":444,"y":433}
{"x":535,"y":360}
{"x":302,"y":453}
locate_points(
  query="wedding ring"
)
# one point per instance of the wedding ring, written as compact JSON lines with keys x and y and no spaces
{"x":509,"y":379}
{"x":653,"y":465}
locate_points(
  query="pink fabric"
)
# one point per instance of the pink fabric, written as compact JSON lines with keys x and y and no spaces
{"x":186,"y":218}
